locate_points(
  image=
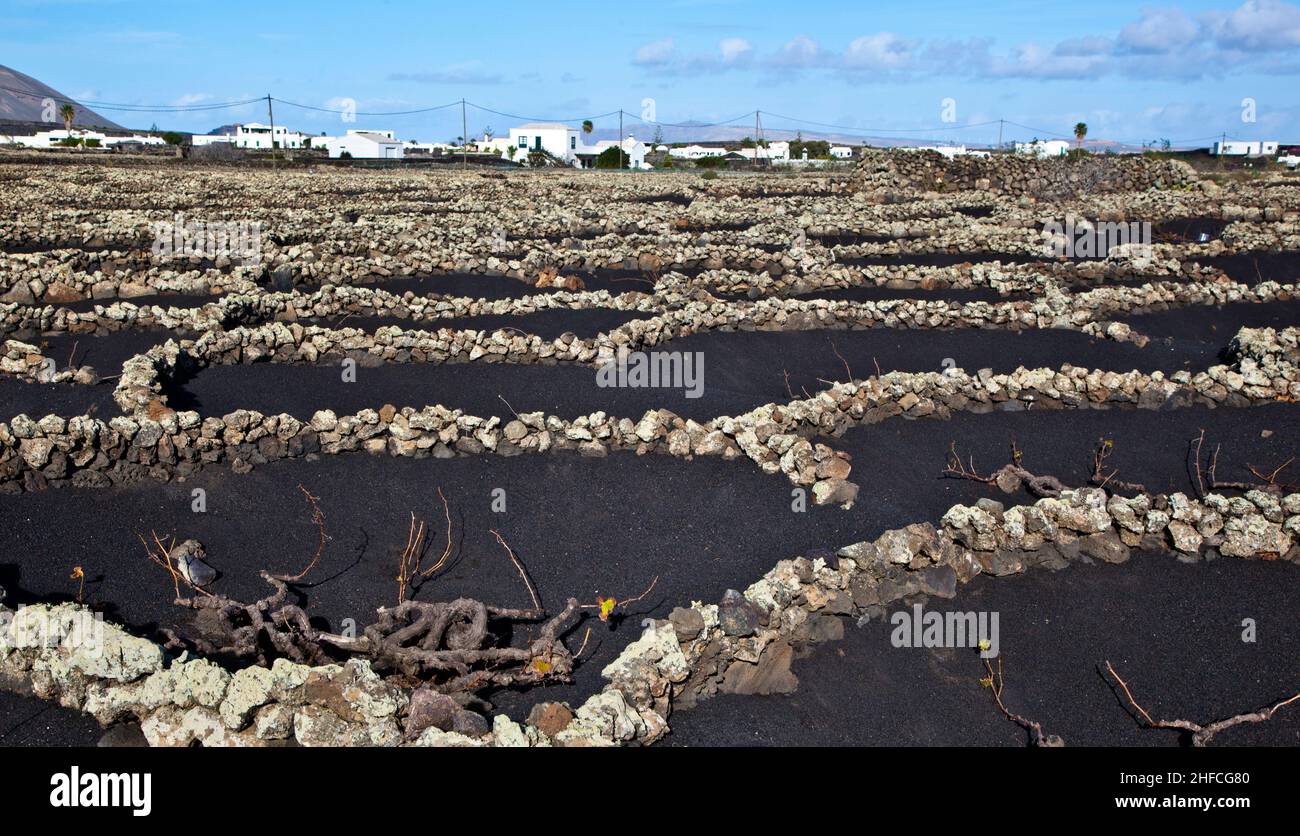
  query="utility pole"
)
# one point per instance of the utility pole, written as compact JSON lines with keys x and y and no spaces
{"x":464,"y":137}
{"x":1000,"y":121}
{"x":757,"y":143}
{"x":271,"y":117}
{"x":621,"y":151}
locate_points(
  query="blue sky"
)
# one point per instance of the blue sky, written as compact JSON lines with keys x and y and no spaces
{"x":1177,"y":71}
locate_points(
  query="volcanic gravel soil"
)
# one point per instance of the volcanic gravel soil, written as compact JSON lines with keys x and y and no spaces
{"x":742,"y":370}
{"x":105,"y":353}
{"x":1195,"y":337}
{"x":547,"y":324}
{"x":1173,"y":630}
{"x":18,"y":397}
{"x":476,"y":286}
{"x":582,"y":526}
{"x":162,"y":300}
{"x":1254,"y":267}
{"x":27,"y":721}
{"x":878,"y":293}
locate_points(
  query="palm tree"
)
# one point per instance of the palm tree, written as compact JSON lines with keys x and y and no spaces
{"x":1080,"y":131}
{"x":587,"y":126}
{"x":68,"y":113}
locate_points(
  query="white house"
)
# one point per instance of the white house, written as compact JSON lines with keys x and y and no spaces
{"x":1044,"y":148}
{"x":560,"y":141}
{"x":777,"y":153}
{"x":498,"y":145}
{"x":1241,"y":148}
{"x":51,"y":139}
{"x":413,"y":147}
{"x":1290,"y":161}
{"x":199,"y":140}
{"x":695,"y":152}
{"x":256,"y":135}
{"x":842,"y":152}
{"x":633,"y":147}
{"x":951,"y":151}
{"x":361,"y":145}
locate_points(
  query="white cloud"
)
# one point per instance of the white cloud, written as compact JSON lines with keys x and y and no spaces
{"x":192,"y":99}
{"x":799,"y":51}
{"x":1158,"y":30}
{"x":469,"y":72}
{"x":1259,"y":35}
{"x":655,"y":53}
{"x":1257,"y":24}
{"x":735,"y":49}
{"x":882,"y":51}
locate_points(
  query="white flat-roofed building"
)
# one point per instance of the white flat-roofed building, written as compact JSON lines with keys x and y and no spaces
{"x":1044,"y":148}
{"x":1245,"y":148}
{"x":695,"y":152}
{"x":256,"y":136}
{"x":91,"y":139}
{"x":556,"y":139}
{"x":361,"y":145}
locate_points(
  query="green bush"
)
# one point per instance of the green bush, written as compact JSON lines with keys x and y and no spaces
{"x":173,"y":138}
{"x":710,"y":162}
{"x":709,"y":175}
{"x":613,"y":157}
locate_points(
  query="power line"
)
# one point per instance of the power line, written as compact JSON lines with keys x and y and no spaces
{"x":541,"y":118}
{"x":131,"y":107}
{"x":368,"y":112}
{"x":947,"y":127}
{"x":902,"y":134}
{"x":744,"y":116}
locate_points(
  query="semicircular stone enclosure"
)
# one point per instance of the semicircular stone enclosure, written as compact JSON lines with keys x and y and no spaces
{"x":482,"y":458}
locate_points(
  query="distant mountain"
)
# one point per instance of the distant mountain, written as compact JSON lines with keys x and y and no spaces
{"x":224,"y":130}
{"x":22,"y":100}
{"x":706,"y":133}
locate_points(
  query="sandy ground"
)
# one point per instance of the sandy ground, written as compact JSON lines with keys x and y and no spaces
{"x":1172,"y":630}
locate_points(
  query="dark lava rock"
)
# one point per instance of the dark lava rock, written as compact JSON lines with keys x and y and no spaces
{"x":469,"y":724}
{"x":122,"y":735}
{"x":736,"y":615}
{"x":687,"y":623}
{"x":940,"y":581}
{"x":551,"y":718}
{"x":430,"y":709}
{"x":772,"y":674}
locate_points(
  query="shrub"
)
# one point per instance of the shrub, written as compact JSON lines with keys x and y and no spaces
{"x":613,"y":157}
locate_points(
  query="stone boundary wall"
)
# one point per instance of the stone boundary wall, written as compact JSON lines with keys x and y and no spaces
{"x":1018,"y":174}
{"x":250,"y":305}
{"x":289,"y":342}
{"x":743,"y":644}
{"x":26,"y":362}
{"x":161,"y":443}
